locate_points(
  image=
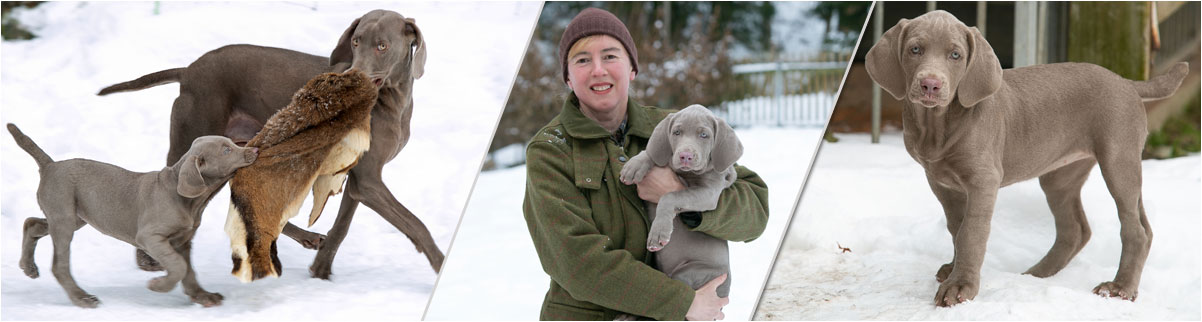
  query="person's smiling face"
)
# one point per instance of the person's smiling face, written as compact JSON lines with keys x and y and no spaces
{"x":599,"y":73}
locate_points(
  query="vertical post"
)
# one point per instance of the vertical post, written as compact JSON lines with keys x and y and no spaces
{"x":779,"y":88}
{"x":1026,"y":36}
{"x":930,"y":6}
{"x":981,"y":14}
{"x":878,"y":27}
{"x":1041,"y":30}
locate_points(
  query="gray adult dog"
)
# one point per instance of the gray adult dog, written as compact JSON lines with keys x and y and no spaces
{"x":233,"y":90}
{"x":701,"y":149}
{"x":156,"y":211}
{"x":975,"y":128}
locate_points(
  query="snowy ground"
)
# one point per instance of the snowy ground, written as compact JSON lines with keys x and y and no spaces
{"x":494,"y":270}
{"x":49,"y":87}
{"x":874,"y":199}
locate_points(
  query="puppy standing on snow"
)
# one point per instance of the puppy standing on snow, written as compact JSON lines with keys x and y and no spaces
{"x":701,"y":149}
{"x":156,"y":211}
{"x":975,"y":128}
{"x":311,"y":143}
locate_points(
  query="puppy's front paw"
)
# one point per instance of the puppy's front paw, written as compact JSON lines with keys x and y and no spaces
{"x":636,"y":168}
{"x":87,"y":301}
{"x":956,"y":290}
{"x":160,"y":284}
{"x":207,"y":299}
{"x":30,"y":268}
{"x":658,"y":237}
{"x":1114,"y":289}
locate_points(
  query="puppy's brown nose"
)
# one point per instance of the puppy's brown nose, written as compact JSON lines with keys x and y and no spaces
{"x":931,"y":86}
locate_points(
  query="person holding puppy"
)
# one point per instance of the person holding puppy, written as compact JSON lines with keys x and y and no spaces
{"x":588,"y":228}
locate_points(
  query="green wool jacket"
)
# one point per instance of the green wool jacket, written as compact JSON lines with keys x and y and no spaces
{"x":590,"y":230}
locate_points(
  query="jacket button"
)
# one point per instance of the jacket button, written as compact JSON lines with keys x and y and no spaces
{"x":622,"y":158}
{"x":588,"y":179}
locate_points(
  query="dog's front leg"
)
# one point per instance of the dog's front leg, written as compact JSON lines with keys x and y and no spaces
{"x":636,"y":168}
{"x":954,"y":203}
{"x":191,"y":286}
{"x":673,"y":203}
{"x":158,"y":246}
{"x":963,"y":283}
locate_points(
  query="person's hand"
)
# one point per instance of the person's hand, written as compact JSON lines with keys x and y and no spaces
{"x":707,"y":306}
{"x":658,"y":182}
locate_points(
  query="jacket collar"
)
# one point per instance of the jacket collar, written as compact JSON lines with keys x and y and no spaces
{"x":638,"y":120}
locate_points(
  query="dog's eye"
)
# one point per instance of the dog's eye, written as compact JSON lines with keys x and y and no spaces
{"x":381,"y":47}
{"x":914,"y":49}
{"x":355,"y":42}
{"x":677,"y":132}
{"x":704,"y":135}
{"x":955,"y":55}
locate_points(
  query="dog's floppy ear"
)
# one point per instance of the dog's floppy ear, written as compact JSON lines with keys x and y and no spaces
{"x":883,"y":61}
{"x":983,"y":77}
{"x":417,"y":64}
{"x":659,"y":147}
{"x":191,"y":183}
{"x":727,"y":147}
{"x":344,"y":50}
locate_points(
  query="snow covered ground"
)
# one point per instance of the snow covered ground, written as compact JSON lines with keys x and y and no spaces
{"x":494,"y":271}
{"x":874,"y":199}
{"x":49,"y":85}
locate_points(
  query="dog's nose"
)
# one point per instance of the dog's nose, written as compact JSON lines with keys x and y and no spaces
{"x":931,"y":86}
{"x":686,"y":157}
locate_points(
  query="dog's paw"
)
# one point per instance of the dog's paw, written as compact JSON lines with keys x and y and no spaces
{"x":87,"y":301}
{"x":1114,"y":289}
{"x":161,"y":284}
{"x":313,"y":241}
{"x":30,"y":269}
{"x":207,"y":299}
{"x":635,"y":169}
{"x":320,"y":270}
{"x":943,"y":272}
{"x":659,"y":235}
{"x":147,"y":263}
{"x":955,"y":291}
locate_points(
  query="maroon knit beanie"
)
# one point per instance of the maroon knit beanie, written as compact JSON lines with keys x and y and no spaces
{"x":594,"y":21}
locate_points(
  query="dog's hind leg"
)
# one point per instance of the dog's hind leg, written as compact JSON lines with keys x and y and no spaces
{"x":1063,"y":189}
{"x":696,"y":274}
{"x":61,"y":232}
{"x":35,"y":228}
{"x":1124,"y":179}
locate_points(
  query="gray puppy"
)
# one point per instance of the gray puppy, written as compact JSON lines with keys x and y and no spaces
{"x":976,"y":128}
{"x":156,"y":211}
{"x":701,"y":149}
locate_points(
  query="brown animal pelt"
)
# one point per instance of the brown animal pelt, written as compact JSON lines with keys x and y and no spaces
{"x":318,"y":137}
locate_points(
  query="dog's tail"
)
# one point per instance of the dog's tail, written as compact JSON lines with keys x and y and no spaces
{"x":1162,"y":85}
{"x":144,"y":82}
{"x":27,"y":144}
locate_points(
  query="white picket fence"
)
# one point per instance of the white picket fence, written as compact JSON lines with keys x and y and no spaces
{"x":801,"y":110}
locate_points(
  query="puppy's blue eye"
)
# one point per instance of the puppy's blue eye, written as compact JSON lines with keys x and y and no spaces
{"x":914,"y":49}
{"x":955,"y":55}
{"x":677,"y":132}
{"x":704,"y":135}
